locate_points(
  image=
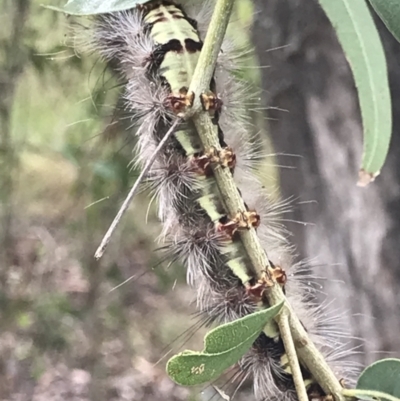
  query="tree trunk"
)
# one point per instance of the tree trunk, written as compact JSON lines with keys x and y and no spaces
{"x":353,"y":231}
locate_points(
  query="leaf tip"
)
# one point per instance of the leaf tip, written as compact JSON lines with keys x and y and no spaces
{"x":365,"y":178}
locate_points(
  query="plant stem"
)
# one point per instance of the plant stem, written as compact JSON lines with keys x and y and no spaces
{"x":208,"y":134}
{"x":208,"y":57}
{"x":290,"y":349}
{"x":106,"y":239}
{"x":229,"y":192}
{"x":313,"y":359}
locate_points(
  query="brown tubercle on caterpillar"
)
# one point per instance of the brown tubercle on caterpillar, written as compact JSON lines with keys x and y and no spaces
{"x":256,"y":291}
{"x":179,"y":102}
{"x":210,"y":101}
{"x":278,"y":274}
{"x":224,"y":157}
{"x":242,"y":221}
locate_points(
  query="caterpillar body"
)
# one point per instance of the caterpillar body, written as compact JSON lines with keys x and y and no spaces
{"x":155,"y":49}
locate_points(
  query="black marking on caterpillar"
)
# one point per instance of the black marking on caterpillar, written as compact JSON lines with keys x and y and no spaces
{"x":158,"y":66}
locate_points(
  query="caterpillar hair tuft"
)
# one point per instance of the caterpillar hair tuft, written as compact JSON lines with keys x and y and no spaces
{"x":154,"y":49}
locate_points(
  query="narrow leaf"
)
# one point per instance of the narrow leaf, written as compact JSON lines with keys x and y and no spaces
{"x":368,"y":395}
{"x":90,"y":7}
{"x":389,"y":11}
{"x":360,"y":40}
{"x":224,"y":346}
{"x":382,"y":376}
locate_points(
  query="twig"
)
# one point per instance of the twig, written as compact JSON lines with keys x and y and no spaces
{"x":209,"y":53}
{"x":313,"y":359}
{"x":106,"y":239}
{"x":208,"y":134}
{"x":290,"y":349}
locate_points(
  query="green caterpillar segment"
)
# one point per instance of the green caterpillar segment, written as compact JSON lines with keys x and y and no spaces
{"x":177,"y":52}
{"x":188,"y":139}
{"x":236,"y":264}
{"x":209,"y":204}
{"x":186,"y":142}
{"x":179,"y":45}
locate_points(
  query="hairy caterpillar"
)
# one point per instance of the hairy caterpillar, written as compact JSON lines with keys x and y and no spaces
{"x":155,"y":48}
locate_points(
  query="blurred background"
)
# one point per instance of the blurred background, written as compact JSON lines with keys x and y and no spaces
{"x":75,"y":329}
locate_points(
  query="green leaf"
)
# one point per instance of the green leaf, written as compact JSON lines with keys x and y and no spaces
{"x":381,"y":380}
{"x":389,"y":11}
{"x":368,"y":395}
{"x":193,"y":369}
{"x":229,"y":335}
{"x":223,"y":347}
{"x":91,"y":7}
{"x":360,"y":40}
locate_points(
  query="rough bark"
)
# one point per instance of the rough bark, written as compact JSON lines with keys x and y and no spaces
{"x":354,"y":232}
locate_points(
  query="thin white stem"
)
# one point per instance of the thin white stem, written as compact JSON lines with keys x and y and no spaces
{"x":106,"y":239}
{"x":290,"y":349}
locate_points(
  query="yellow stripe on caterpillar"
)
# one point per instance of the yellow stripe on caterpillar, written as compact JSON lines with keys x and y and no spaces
{"x":208,"y":203}
{"x":169,"y":19}
{"x":173,"y":32}
{"x":238,"y":267}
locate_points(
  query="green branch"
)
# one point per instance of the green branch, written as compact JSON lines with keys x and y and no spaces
{"x":208,"y":57}
{"x":208,"y":134}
